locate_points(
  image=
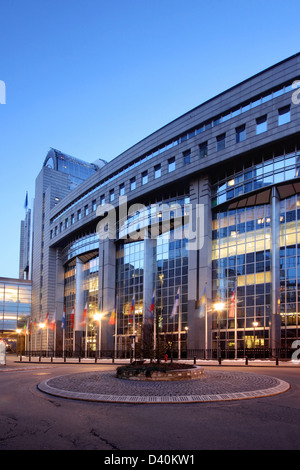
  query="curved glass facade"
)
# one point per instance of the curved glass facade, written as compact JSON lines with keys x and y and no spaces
{"x":289,"y":269}
{"x":271,"y":169}
{"x":241,"y":260}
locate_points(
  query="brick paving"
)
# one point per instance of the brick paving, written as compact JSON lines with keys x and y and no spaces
{"x":213,"y":386}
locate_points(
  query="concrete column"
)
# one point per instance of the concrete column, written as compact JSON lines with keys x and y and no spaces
{"x":79,"y":307}
{"x":107,"y":290}
{"x":59,"y":299}
{"x":275,"y":320}
{"x":148,"y":286}
{"x":200,"y":270}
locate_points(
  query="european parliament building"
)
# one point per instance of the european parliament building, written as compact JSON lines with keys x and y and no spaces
{"x":188,"y":240}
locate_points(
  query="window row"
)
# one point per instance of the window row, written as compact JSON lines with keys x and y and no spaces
{"x":253,"y":103}
{"x":284,"y":116}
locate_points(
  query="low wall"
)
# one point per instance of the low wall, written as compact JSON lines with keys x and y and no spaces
{"x":179,"y":374}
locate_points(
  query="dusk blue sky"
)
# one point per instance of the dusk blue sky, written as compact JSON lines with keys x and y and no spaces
{"x":92,"y":78}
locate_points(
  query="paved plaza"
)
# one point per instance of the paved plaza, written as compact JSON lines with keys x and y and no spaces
{"x":213,"y":386}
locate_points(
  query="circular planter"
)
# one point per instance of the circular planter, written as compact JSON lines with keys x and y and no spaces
{"x":127,"y":373}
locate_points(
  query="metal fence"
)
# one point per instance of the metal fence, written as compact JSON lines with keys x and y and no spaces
{"x":190,"y":354}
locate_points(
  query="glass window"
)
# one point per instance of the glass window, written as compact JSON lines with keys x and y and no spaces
{"x":171,"y":164}
{"x":157,"y":171}
{"x":261,"y":124}
{"x":145,"y":177}
{"x":72,"y":219}
{"x":86,"y":210}
{"x":284,"y":115}
{"x":122,"y":189}
{"x":112,"y":195}
{"x":67,"y":223}
{"x":221,"y":142}
{"x":79,"y":214}
{"x":132,"y":184}
{"x":187,"y":157}
{"x":240,"y":133}
{"x":94,"y":205}
{"x":102,"y":199}
{"x":203,"y":150}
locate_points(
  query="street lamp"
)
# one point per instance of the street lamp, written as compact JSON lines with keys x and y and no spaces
{"x":18,"y":331}
{"x":41,"y":327}
{"x":186,"y":338}
{"x":255,"y":323}
{"x":98,"y":317}
{"x":219,"y":307}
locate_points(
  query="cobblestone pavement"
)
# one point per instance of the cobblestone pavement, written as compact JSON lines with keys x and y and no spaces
{"x":214,"y":386}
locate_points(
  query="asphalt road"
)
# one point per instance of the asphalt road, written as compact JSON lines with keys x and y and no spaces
{"x":31,"y":420}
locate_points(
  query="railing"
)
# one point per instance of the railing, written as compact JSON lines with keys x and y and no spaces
{"x":282,"y":354}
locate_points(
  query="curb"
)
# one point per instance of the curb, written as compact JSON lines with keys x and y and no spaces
{"x":146,"y":399}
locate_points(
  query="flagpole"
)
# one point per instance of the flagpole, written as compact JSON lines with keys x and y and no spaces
{"x":154,"y":330}
{"x":47,"y":339}
{"x":206,"y":329}
{"x":235,"y":319}
{"x":85,"y":346}
{"x":179,"y":328}
{"x":116,"y":328}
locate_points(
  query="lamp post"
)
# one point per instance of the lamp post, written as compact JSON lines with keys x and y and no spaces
{"x":186,"y":333}
{"x":219,"y":307}
{"x":255,"y":323}
{"x":18,"y":331}
{"x":98,"y":317}
{"x":41,"y":327}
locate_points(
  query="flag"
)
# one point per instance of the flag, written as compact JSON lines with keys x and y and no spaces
{"x":46,"y":319}
{"x":203,"y":303}
{"x":152,"y":307}
{"x":132,"y":310}
{"x":63,"y":321}
{"x":176,"y":304}
{"x":52,"y":322}
{"x":24,"y":329}
{"x":153,"y":302}
{"x":84,"y":315}
{"x":231,"y":313}
{"x":112,"y":319}
{"x":132,"y":305}
{"x":72,"y":318}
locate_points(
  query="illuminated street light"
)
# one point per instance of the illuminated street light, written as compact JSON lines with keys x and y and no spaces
{"x":98,"y":317}
{"x":41,"y":327}
{"x":18,"y":331}
{"x":255,"y":323}
{"x":219,"y":307}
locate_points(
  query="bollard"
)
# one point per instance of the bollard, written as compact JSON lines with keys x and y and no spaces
{"x":79,"y":359}
{"x":220,"y":360}
{"x":277,"y":361}
{"x":95,"y":359}
{"x":194,"y":359}
{"x":246,"y":360}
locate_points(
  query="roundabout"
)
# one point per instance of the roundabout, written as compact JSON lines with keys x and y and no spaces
{"x":213,"y":386}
